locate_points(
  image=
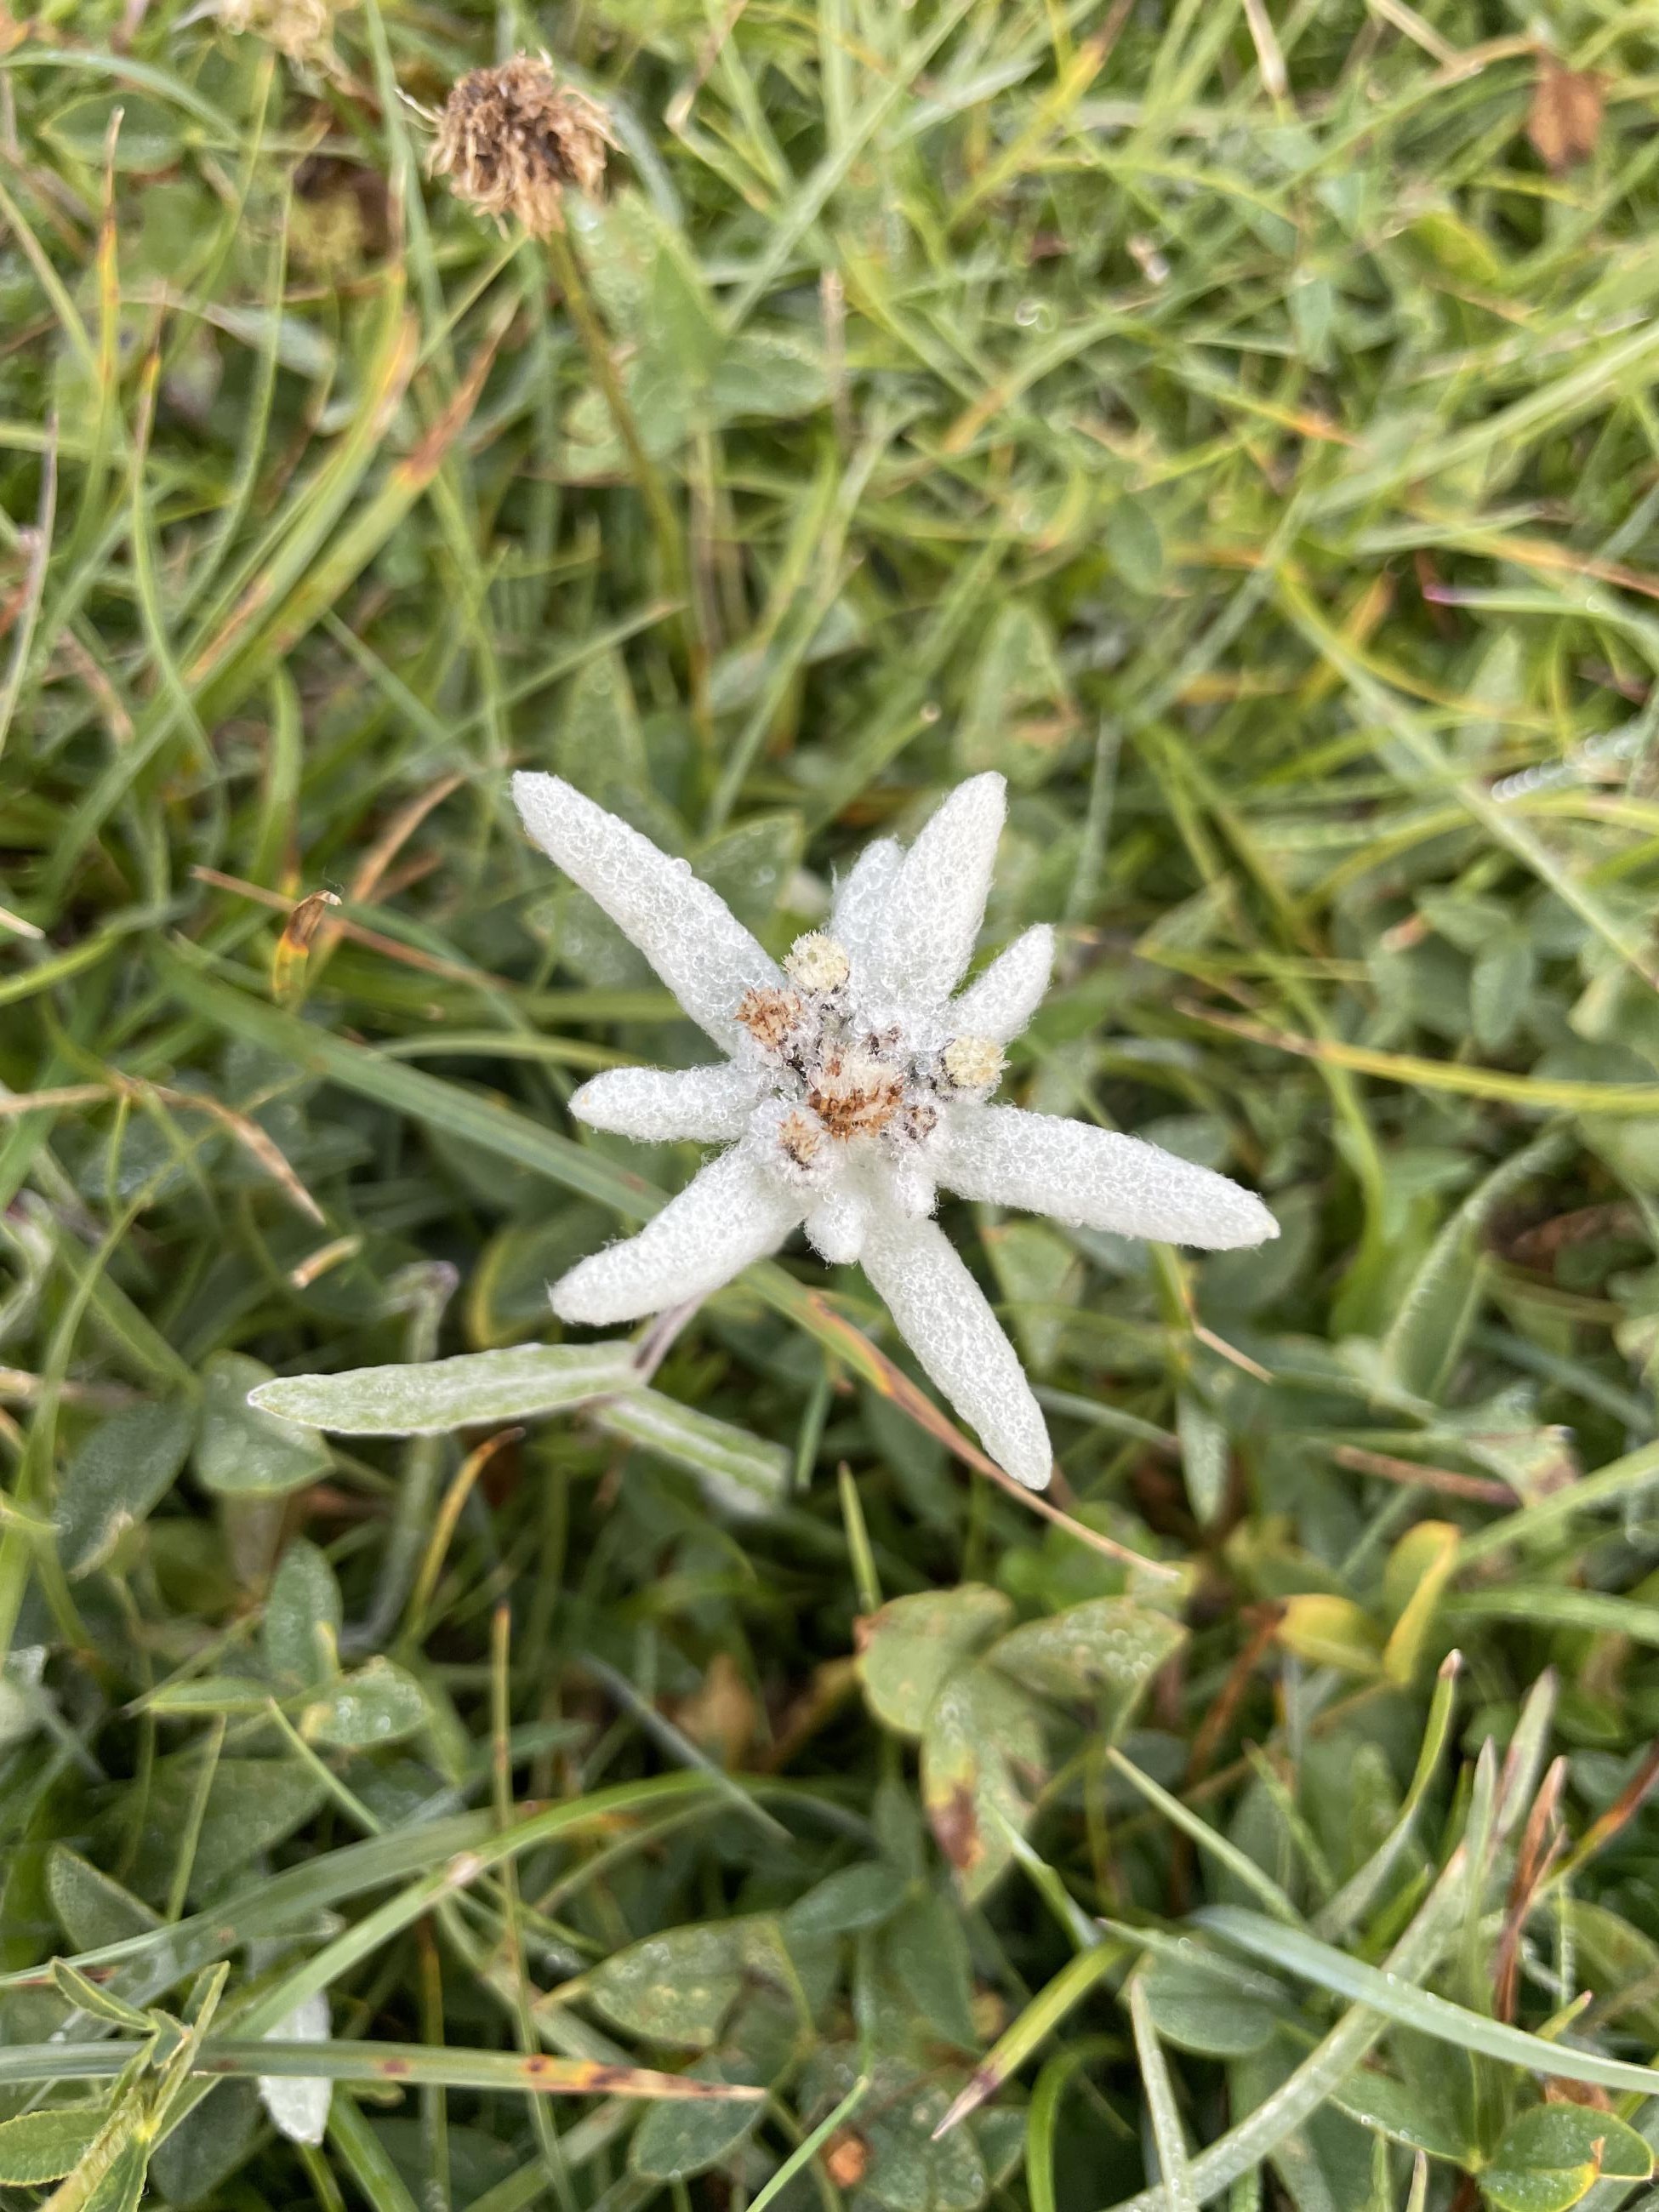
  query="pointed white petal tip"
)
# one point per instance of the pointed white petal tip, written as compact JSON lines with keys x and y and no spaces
{"x":1002,"y":1003}
{"x":1256,"y":1225}
{"x":938,"y":894}
{"x":836,"y":1226}
{"x":680,"y":924}
{"x":1098,"y":1179}
{"x":1034,"y":1470}
{"x":299,"y":2105}
{"x":946,"y":1319}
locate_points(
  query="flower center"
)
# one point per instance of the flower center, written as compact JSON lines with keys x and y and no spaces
{"x":837,"y":1078}
{"x":854,"y":1091}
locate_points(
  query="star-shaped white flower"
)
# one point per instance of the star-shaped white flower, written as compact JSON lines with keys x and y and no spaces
{"x":855,"y":1086}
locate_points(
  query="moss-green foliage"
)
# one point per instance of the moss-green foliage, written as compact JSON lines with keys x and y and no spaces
{"x":1227,"y":423}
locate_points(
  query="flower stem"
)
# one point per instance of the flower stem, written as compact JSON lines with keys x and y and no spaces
{"x":660,"y":507}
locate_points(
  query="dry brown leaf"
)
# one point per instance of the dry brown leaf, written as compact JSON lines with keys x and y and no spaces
{"x":289,"y":961}
{"x":1564,"y":121}
{"x":847,"y":2158}
{"x":720,"y":1717}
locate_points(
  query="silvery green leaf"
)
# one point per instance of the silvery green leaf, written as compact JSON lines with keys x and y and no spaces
{"x":676,"y":2140}
{"x":92,"y":1907}
{"x":437,"y":1395}
{"x":1203,"y":1456}
{"x":303,"y":1617}
{"x":738,"y":1473}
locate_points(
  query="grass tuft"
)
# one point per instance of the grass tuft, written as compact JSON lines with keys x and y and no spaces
{"x":696,"y":1782}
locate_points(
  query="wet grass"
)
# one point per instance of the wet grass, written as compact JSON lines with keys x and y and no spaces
{"x":1235,"y":425}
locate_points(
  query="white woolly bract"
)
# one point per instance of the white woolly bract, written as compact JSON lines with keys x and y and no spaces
{"x":944,"y":1318}
{"x":298,"y":2105}
{"x":729,"y":1214}
{"x":858,"y":916}
{"x":685,"y":929}
{"x":836,"y":1227}
{"x":1001,"y":1002}
{"x":657,"y":1104}
{"x":852,"y":1096}
{"x":937,"y":899}
{"x":1097,"y":1179}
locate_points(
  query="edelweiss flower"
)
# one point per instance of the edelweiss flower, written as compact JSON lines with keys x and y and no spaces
{"x":855,"y":1086}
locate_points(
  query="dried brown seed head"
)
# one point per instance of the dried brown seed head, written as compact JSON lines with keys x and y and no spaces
{"x":1564,"y":121}
{"x":1559,"y":2089}
{"x":510,"y":139}
{"x":854,"y":1093}
{"x":771,"y":1017}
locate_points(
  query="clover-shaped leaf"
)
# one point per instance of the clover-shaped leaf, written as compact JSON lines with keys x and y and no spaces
{"x":1555,"y":2155}
{"x":910,"y":1649}
{"x":887,"y":2149}
{"x":243,"y":1451}
{"x":380,"y":1704}
{"x":938,"y":1666}
{"x":677,"y":2139}
{"x":682,"y":1987}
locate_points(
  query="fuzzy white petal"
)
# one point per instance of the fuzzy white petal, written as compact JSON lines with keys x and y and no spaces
{"x":944,"y":1318}
{"x":656,"y":1105}
{"x":729,"y":1215}
{"x":1000,"y":1002}
{"x":299,"y":2104}
{"x":837,"y":1225}
{"x":938,"y":896}
{"x":1097,"y":1179}
{"x":912,"y":1185}
{"x":685,"y":929}
{"x":857,"y":920}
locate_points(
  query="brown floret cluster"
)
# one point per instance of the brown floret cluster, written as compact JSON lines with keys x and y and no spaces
{"x":510,"y":139}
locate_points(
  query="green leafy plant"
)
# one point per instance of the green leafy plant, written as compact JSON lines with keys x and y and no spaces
{"x":453,"y":1762}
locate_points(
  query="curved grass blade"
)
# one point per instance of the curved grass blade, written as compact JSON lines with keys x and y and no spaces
{"x":447,"y":2065}
{"x":1033,"y":2027}
{"x":1544,"y":1604}
{"x":1296,"y":1952}
{"x":1300,"y":2095}
{"x":1168,"y":2139}
{"x":1226,"y":1853}
{"x":805,"y":2152}
{"x":1352,"y":1902}
{"x":1612,"y":1485}
{"x":1043,"y":2114}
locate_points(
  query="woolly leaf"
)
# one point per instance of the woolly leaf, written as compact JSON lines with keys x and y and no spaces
{"x":435,"y":1396}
